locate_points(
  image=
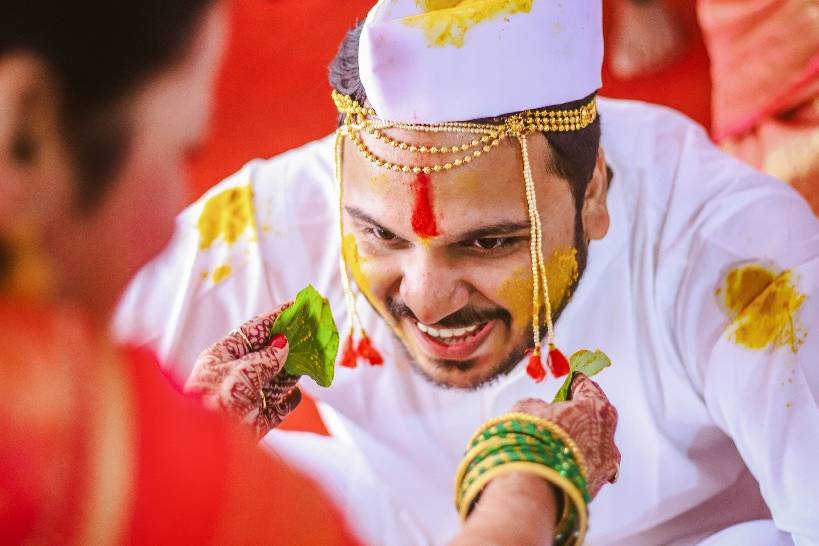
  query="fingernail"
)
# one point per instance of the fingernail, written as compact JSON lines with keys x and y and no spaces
{"x":278,"y":341}
{"x":294,"y":398}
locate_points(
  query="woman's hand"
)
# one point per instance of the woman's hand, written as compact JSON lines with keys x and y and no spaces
{"x":245,"y":378}
{"x":590,"y":420}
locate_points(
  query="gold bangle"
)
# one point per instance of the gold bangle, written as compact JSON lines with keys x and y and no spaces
{"x":476,"y":450}
{"x":501,"y":455}
{"x":570,"y":493}
{"x":555,"y":429}
{"x":499,"y":458}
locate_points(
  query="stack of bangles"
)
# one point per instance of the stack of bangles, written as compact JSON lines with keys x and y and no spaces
{"x":519,"y":442}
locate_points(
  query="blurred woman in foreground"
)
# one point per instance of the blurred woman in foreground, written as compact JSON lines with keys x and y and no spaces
{"x":99,"y":104}
{"x":765,"y":73}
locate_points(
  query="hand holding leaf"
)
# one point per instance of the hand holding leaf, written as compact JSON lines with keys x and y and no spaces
{"x":251,"y":374}
{"x":586,"y":362}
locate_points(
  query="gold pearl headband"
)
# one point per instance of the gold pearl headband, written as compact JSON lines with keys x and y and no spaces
{"x":488,"y":136}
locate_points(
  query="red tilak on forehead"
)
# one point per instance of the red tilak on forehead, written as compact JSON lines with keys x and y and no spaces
{"x":423,"y":217}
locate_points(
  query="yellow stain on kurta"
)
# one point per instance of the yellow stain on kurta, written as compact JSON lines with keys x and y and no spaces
{"x":446,"y":22}
{"x":226,"y":215}
{"x":221,"y":273}
{"x":763,"y":307}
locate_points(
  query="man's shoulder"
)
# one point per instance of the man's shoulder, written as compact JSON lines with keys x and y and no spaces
{"x":311,"y":164}
{"x":677,"y":184}
{"x":669,"y":160}
{"x":650,"y":137}
{"x":301,"y":176}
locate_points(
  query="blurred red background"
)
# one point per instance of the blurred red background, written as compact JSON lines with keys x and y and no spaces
{"x":273,"y":95}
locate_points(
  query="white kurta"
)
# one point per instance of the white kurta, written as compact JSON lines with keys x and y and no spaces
{"x":712,"y":434}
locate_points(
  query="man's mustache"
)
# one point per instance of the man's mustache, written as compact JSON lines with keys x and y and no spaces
{"x":462,"y":318}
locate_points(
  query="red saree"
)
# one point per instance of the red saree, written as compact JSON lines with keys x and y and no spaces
{"x":96,"y":447}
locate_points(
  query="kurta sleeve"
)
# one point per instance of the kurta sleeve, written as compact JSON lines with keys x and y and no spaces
{"x":747,"y":326}
{"x":248,"y":245}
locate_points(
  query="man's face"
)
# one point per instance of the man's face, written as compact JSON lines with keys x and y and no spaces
{"x":445,"y":257}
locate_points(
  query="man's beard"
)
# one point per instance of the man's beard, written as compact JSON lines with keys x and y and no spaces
{"x":469,"y":316}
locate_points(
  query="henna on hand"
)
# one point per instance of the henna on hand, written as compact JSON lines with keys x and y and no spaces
{"x":248,"y":382}
{"x":590,"y":420}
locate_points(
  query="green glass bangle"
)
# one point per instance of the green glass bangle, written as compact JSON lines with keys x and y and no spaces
{"x":552,"y":428}
{"x":557,"y":454}
{"x":566,"y":467}
{"x":543,"y":434}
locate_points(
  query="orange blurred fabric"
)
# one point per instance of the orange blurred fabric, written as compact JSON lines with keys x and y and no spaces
{"x":97,"y":447}
{"x":765,"y":69}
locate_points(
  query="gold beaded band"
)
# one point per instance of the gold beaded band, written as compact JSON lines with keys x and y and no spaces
{"x":364,"y":119}
{"x":530,"y":121}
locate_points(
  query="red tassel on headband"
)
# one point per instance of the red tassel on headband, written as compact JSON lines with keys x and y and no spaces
{"x":535,"y":367}
{"x":368,"y":352}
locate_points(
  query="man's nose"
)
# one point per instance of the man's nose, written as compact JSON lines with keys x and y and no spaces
{"x":432,"y":289}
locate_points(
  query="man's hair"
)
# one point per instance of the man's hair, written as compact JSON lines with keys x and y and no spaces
{"x":574,"y":153}
{"x":99,"y":51}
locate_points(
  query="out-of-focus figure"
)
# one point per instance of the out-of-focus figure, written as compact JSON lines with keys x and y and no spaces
{"x":765,"y":72}
{"x":100,"y":102}
{"x":645,"y":38}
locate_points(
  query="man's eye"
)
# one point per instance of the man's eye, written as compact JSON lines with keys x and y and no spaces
{"x":381,"y":233}
{"x":489,"y":243}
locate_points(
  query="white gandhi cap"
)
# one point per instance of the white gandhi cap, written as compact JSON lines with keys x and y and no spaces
{"x":434,"y":61}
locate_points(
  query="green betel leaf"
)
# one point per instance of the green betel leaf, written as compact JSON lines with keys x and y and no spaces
{"x":586,"y":362}
{"x":589,"y":362}
{"x":563,"y":393}
{"x":312,"y":335}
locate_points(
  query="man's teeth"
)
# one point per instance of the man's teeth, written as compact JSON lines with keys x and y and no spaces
{"x":444,"y":333}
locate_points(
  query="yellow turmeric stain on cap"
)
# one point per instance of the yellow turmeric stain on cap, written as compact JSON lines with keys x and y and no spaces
{"x":446,"y":22}
{"x":221,"y":273}
{"x":762,"y":305}
{"x":435,"y":5}
{"x":226,"y":215}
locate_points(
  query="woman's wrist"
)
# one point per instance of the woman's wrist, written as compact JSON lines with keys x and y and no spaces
{"x":516,"y":508}
{"x":525,"y":489}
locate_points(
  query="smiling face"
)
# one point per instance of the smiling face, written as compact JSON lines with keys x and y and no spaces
{"x":445,"y":257}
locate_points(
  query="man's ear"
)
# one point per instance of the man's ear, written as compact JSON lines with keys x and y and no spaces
{"x":595,"y":209}
{"x":32,"y":155}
